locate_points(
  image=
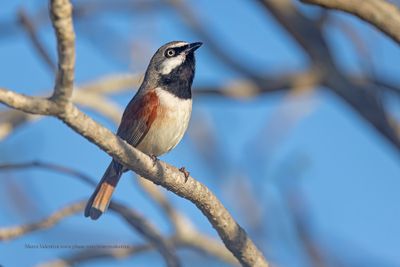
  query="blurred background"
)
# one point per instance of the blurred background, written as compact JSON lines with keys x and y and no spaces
{"x":295,"y":128}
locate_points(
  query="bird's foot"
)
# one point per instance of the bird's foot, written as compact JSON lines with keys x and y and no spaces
{"x":185,"y":172}
{"x":155,"y":159}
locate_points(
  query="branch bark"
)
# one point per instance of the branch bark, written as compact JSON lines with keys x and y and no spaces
{"x":61,"y":18}
{"x":381,"y":14}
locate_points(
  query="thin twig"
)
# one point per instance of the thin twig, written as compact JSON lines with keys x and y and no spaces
{"x":17,"y":231}
{"x":30,"y":29}
{"x":48,"y":166}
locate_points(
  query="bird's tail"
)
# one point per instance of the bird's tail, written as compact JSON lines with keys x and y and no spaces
{"x":101,"y":197}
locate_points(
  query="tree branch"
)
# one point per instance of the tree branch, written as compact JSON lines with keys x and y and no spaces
{"x":61,"y":18}
{"x":381,"y":14}
{"x":152,"y":235}
{"x":30,"y":29}
{"x":48,"y":166}
{"x":16,"y":231}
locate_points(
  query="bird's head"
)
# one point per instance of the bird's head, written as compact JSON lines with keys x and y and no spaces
{"x":173,"y":59}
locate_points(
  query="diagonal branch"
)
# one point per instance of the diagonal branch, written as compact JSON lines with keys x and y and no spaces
{"x":48,"y":166}
{"x":301,"y":28}
{"x":17,"y":231}
{"x":30,"y":29}
{"x":381,"y":14}
{"x":152,"y":235}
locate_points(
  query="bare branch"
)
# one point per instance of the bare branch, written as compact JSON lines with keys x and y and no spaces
{"x":112,"y":84}
{"x":96,"y":254}
{"x":10,"y":120}
{"x":206,"y":245}
{"x":33,"y":105}
{"x":185,"y":233}
{"x":147,"y":230}
{"x":381,"y":14}
{"x":386,"y":85}
{"x":30,"y":29}
{"x":178,"y":221}
{"x":200,"y":243}
{"x":61,"y":17}
{"x":48,"y":166}
{"x":14,"y":232}
{"x":98,"y":103}
{"x":302,"y":29}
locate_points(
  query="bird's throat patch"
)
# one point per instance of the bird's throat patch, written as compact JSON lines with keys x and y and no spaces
{"x":171,"y":63}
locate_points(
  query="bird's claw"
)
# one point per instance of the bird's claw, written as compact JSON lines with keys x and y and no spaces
{"x":185,"y":172}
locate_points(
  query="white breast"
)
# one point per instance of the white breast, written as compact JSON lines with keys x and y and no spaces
{"x":168,"y":129}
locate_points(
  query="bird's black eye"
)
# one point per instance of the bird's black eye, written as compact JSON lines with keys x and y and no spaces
{"x":170,"y":52}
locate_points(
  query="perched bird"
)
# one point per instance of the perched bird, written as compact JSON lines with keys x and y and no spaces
{"x":156,"y":118}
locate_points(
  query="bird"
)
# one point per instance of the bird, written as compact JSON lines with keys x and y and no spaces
{"x":156,"y":118}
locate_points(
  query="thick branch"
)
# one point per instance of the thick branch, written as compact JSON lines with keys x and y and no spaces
{"x":381,"y":14}
{"x":33,"y":105}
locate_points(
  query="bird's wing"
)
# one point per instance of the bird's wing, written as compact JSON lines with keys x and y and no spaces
{"x":138,"y":117}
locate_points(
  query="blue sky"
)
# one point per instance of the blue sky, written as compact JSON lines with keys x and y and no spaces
{"x":346,"y":173}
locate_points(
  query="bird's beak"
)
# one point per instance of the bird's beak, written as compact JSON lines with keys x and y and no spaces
{"x":193,"y":47}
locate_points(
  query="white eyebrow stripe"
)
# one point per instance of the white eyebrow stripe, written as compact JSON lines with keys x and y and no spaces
{"x":180,"y":44}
